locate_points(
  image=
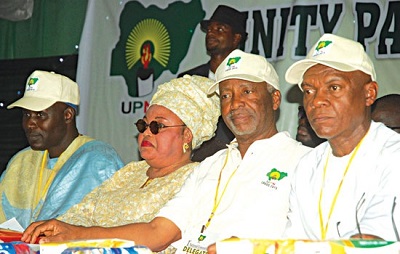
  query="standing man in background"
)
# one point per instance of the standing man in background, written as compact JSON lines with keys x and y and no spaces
{"x":225,"y":32}
{"x":305,"y":133}
{"x":61,"y":166}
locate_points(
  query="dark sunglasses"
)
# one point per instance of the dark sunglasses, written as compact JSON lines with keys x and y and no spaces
{"x":155,"y":126}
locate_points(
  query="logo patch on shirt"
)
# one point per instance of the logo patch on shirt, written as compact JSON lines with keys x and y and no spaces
{"x":274,"y":176}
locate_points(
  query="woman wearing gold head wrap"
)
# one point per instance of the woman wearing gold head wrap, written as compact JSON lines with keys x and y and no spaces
{"x":180,"y":118}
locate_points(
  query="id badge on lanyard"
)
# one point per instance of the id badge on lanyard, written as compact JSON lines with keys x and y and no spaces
{"x":197,"y":244}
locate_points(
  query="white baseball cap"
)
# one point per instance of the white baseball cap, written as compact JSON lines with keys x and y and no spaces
{"x":44,"y":88}
{"x":336,"y":52}
{"x":246,"y":66}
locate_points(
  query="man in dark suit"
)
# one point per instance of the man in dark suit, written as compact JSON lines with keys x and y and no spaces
{"x":225,"y":32}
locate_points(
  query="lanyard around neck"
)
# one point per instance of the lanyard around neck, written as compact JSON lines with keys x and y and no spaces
{"x":40,"y":193}
{"x":216,"y":200}
{"x":324,"y":229}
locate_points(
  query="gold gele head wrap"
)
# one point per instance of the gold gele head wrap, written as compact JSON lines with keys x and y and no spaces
{"x":187,"y":98}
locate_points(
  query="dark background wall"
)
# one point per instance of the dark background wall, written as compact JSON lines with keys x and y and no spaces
{"x":48,"y":40}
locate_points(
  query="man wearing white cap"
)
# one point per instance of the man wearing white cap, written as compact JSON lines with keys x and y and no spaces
{"x":240,"y":191}
{"x":347,"y":186}
{"x":60,"y":167}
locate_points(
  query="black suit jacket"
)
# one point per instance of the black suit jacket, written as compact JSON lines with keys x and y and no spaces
{"x":201,"y":70}
{"x":222,"y":136}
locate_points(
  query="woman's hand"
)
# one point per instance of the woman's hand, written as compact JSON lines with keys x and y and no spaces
{"x":51,"y":231}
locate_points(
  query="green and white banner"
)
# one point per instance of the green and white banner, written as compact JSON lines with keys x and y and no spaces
{"x":128,"y":48}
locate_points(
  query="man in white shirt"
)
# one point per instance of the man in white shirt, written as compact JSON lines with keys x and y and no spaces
{"x":347,"y":186}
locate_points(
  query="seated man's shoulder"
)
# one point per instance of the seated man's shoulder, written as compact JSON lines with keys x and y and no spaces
{"x":97,"y":146}
{"x":284,"y":142}
{"x":21,"y":164}
{"x":384,"y":139}
{"x":98,"y":150}
{"x":210,"y":162}
{"x":25,"y":154}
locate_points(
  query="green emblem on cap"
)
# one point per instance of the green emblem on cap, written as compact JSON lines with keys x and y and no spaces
{"x":233,"y":60}
{"x":275,"y":174}
{"x":32,"y":81}
{"x":322,"y":44}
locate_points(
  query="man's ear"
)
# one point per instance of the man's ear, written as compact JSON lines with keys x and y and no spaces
{"x":69,"y":114}
{"x":237,"y":38}
{"x":276,"y":99}
{"x":371,"y":92}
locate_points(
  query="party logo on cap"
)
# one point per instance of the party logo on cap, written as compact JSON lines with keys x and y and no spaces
{"x":32,"y":84}
{"x":322,"y":48}
{"x":233,"y":63}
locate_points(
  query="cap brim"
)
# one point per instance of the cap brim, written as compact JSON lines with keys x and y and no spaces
{"x":294,"y":74}
{"x":214,"y":87}
{"x":30,"y":103}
